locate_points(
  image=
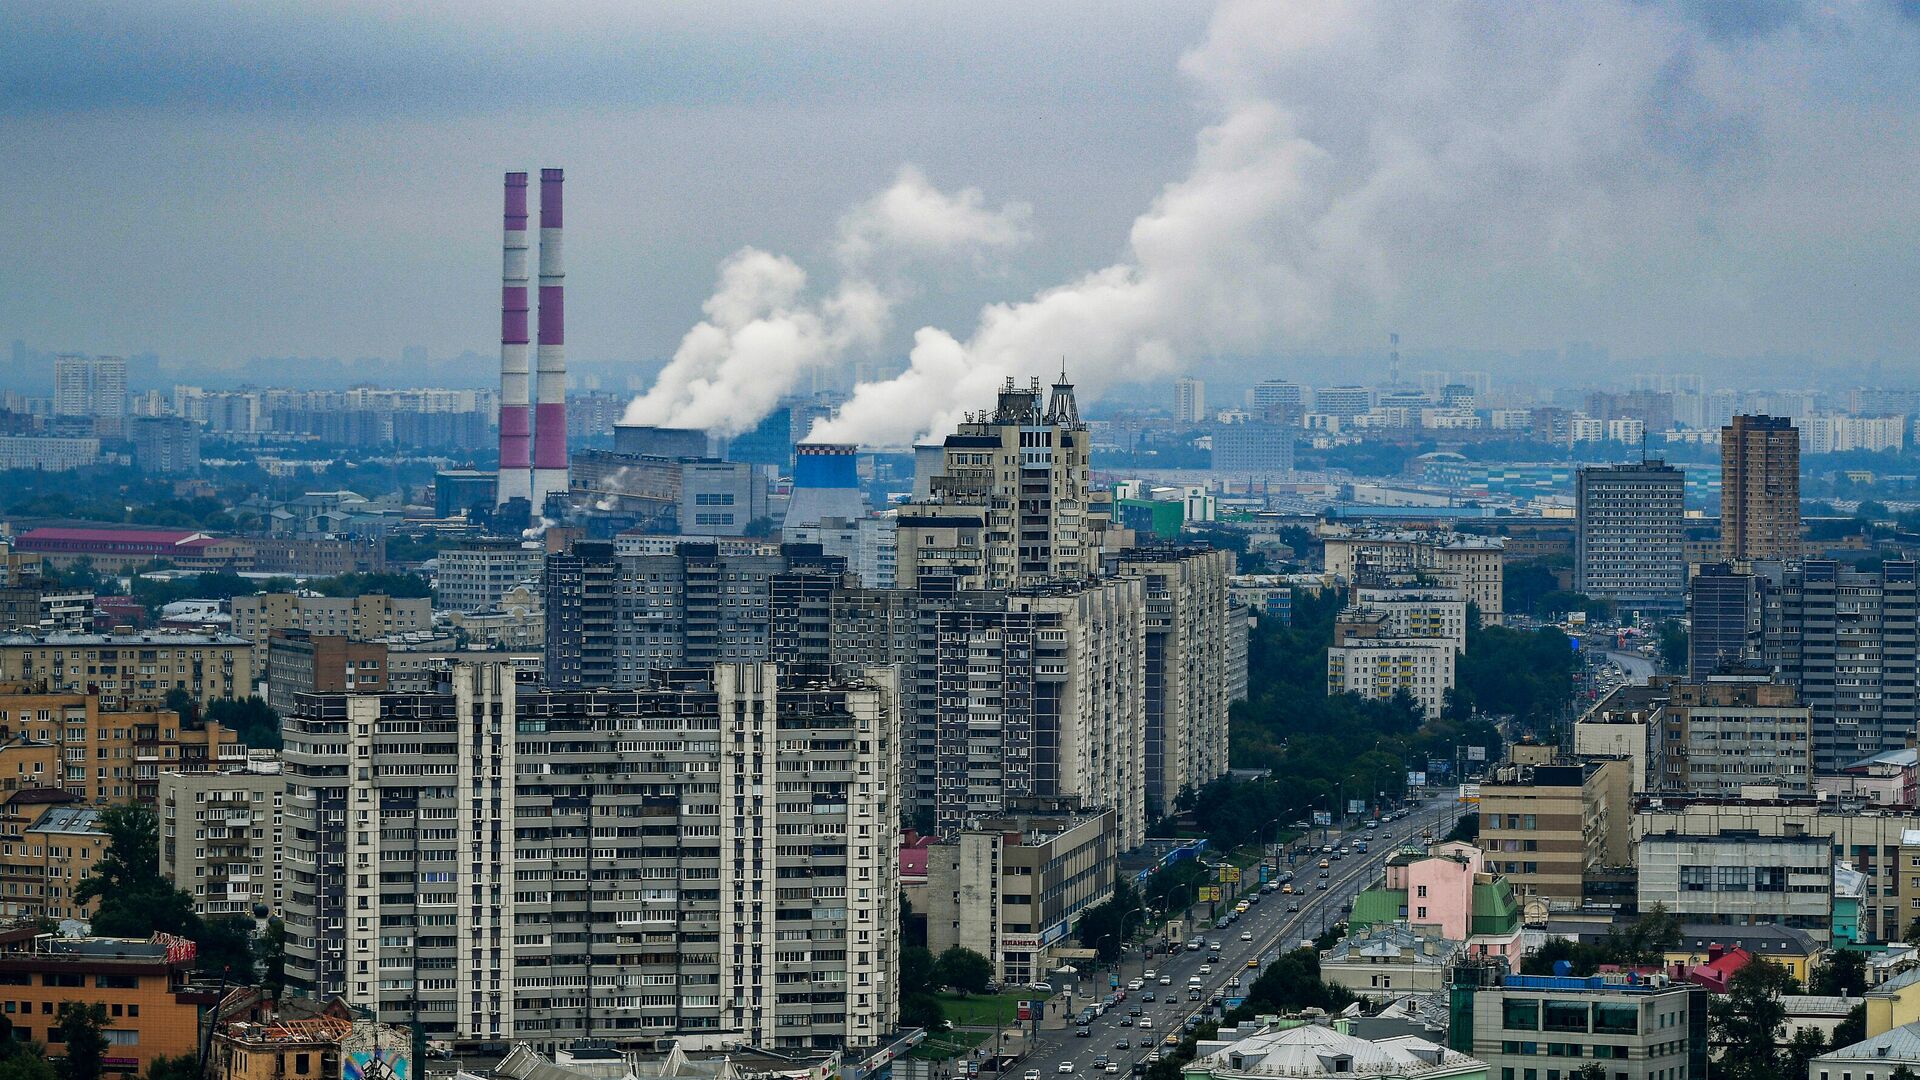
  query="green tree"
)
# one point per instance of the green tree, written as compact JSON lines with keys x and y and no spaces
{"x":1806,"y":1044}
{"x":918,"y":971}
{"x":964,"y":970}
{"x":1853,"y":1029}
{"x":916,"y":1010}
{"x":226,"y":945}
{"x":1673,"y":645}
{"x":182,"y":702}
{"x":135,"y":901}
{"x":273,"y":956}
{"x":1592,"y":1070}
{"x":184,"y":1067}
{"x":1843,"y":974}
{"x":28,"y":1062}
{"x":1749,"y":1024}
{"x":1647,"y":939}
{"x":250,"y":718}
{"x":83,"y":1032}
{"x":1900,"y":1072}
{"x":1101,"y":927}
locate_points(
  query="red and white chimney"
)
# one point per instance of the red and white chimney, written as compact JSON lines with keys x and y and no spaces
{"x":550,"y":386}
{"x":516,"y":462}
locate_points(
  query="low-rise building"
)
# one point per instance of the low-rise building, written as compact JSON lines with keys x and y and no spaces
{"x":1010,"y":886}
{"x":1738,"y":880}
{"x":126,"y":668}
{"x":364,"y":618}
{"x":1389,"y":960}
{"x":1876,"y":1057}
{"x":1636,"y":1027}
{"x":1306,"y":1048}
{"x":151,"y":1011}
{"x":333,"y":1045}
{"x":1546,"y":827}
{"x":1792,"y":948}
{"x":1448,"y":893}
{"x":48,"y":847}
{"x":221,"y":836}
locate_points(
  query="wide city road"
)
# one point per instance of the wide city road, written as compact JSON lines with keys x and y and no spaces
{"x":1258,"y":936}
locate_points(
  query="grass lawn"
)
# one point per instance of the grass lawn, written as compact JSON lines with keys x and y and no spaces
{"x":984,"y":1010}
{"x":947,"y":1044}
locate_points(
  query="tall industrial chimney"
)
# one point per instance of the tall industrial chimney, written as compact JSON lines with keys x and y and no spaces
{"x":516,"y":478}
{"x":550,"y":388}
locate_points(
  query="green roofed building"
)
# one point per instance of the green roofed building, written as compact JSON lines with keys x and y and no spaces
{"x":1162,"y":519}
{"x":1446,"y":892}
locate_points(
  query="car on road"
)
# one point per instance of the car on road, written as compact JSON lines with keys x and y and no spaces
{"x":1111,"y":1069}
{"x":1126,"y":1021}
{"x":1148,"y":974}
{"x":1148,"y":997}
{"x":1135,"y":984}
{"x":1099,"y":1061}
{"x":1146,"y":1023}
{"x":1322,"y":886}
{"x":1193,"y":994}
{"x":1254,"y":963}
{"x":1123,"y":1045}
{"x":1194,"y":945}
{"x":1324,"y":864}
{"x":1081,"y":1033}
{"x":1205,"y":969}
{"x":1065,"y":1067}
{"x":1293,"y":905}
{"x":1033,"y":1074}
{"x":1166,"y":980}
{"x":1246,"y":935}
{"x":1135,"y":1011}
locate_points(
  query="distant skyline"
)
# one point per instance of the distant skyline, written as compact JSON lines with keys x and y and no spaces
{"x":219,"y":183}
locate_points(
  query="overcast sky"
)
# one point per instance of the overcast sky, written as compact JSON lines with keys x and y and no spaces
{"x":222,"y":181}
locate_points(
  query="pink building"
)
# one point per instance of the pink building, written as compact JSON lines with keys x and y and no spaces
{"x":1447,"y":892}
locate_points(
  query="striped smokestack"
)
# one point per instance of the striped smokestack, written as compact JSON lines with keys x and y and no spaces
{"x":516,"y":478}
{"x":550,"y":387}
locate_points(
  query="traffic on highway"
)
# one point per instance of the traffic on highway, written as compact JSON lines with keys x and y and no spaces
{"x":1164,"y":995}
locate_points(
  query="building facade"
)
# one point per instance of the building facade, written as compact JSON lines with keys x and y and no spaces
{"x":1646,"y":1029}
{"x":1849,"y":641}
{"x":1760,"y":488}
{"x":221,"y":837}
{"x":1188,"y":652}
{"x":363,"y":618}
{"x":1629,"y":540}
{"x":1010,"y":886}
{"x":1473,"y":565}
{"x":1724,"y":609}
{"x":101,"y":755}
{"x":1547,"y":827}
{"x":709,"y":860}
{"x":1735,"y":730}
{"x":1736,"y":880}
{"x":474,"y":575}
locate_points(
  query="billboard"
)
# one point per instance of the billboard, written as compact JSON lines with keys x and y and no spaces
{"x":1416,"y":779}
{"x":1230,"y":874}
{"x":1476,"y":753}
{"x":1356,"y":806}
{"x":1210,"y":893}
{"x":1323,"y":817}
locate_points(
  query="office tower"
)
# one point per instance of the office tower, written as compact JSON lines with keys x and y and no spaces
{"x":1760,"y":488}
{"x":1345,"y":402}
{"x":89,"y":386}
{"x":1014,"y":504}
{"x":1188,"y":687}
{"x":1847,"y":640}
{"x":1189,"y":400}
{"x":1256,"y":448}
{"x":710,"y":859}
{"x":1628,"y":539}
{"x":1724,"y":612}
{"x":1278,"y":402}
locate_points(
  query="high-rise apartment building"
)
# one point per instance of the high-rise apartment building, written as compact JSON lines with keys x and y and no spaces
{"x":1369,"y":659}
{"x":474,"y":574}
{"x":1849,"y":640}
{"x":165,"y":445}
{"x":1013,"y":503}
{"x":1189,"y":400}
{"x":1734,"y":729}
{"x":1760,"y":488}
{"x":1044,"y":698}
{"x":1188,"y":685}
{"x":1629,"y":536}
{"x":362,"y":618}
{"x":709,"y":860}
{"x":89,"y":386}
{"x":1345,"y":402}
{"x":87,"y":747}
{"x":1475,"y":566}
{"x":1254,"y":448}
{"x":1278,"y":402}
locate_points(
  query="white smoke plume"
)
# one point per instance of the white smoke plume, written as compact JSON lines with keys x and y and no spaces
{"x":763,"y":332}
{"x":1367,"y":156}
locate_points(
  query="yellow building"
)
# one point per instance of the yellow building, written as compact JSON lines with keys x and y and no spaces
{"x":1547,"y":827}
{"x":128,"y":668}
{"x":42,"y":866}
{"x":1894,"y":1003}
{"x":69,"y":741}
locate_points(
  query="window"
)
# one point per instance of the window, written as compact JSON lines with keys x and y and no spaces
{"x":1616,"y":1019}
{"x":1564,"y":1016}
{"x":1520,"y":1015}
